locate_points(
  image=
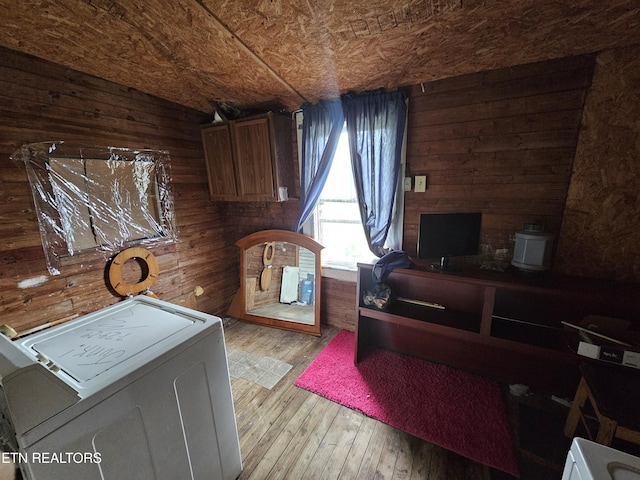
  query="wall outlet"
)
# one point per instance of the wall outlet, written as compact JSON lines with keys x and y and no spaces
{"x":421,"y":183}
{"x":407,"y":184}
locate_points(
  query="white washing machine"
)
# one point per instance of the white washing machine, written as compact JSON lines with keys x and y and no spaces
{"x":589,"y":460}
{"x":137,"y":390}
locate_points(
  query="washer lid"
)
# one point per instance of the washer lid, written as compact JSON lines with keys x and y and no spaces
{"x":107,"y":338}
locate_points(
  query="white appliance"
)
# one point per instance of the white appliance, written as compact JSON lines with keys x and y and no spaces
{"x":588,"y":460}
{"x":532,"y":250}
{"x":289,"y":286}
{"x":138,"y":390}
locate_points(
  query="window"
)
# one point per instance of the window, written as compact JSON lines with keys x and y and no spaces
{"x":376,"y":123}
{"x":335,"y":222}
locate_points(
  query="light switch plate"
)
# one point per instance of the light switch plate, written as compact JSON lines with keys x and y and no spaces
{"x":407,"y":184}
{"x":421,"y":183}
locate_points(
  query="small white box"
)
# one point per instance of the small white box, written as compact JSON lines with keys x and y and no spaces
{"x":631,"y":359}
{"x":589,"y":350}
{"x":619,"y":355}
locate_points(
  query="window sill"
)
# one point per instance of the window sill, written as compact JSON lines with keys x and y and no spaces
{"x":340,"y":274}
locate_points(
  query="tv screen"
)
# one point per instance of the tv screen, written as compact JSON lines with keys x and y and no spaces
{"x":443,"y":235}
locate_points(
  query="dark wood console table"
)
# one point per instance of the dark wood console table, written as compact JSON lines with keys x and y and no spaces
{"x":502,"y":325}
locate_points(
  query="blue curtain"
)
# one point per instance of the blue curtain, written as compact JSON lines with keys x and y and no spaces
{"x":321,"y":129}
{"x":375,"y":124}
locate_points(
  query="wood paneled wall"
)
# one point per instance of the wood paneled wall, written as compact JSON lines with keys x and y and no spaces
{"x":502,"y":142}
{"x":41,"y":101}
{"x":499,"y":142}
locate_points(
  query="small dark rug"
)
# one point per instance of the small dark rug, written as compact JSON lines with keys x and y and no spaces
{"x":456,"y":410}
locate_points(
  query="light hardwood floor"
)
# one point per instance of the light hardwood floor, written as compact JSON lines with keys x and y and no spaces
{"x":290,"y":433}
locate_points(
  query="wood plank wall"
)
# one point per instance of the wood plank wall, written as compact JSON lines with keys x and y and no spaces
{"x":499,"y":142}
{"x":41,"y":101}
{"x":502,"y":142}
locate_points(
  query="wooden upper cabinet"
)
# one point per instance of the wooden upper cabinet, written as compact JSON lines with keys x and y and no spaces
{"x":250,"y":159}
{"x":254,"y":159}
{"x":216,"y":140}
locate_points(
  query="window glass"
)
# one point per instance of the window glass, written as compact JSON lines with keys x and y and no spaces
{"x":336,"y":220}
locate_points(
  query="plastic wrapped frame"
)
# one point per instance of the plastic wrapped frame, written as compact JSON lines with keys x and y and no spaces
{"x":97,"y":200}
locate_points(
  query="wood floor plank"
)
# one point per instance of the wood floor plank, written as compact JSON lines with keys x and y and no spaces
{"x":402,"y":469}
{"x":356,"y":453}
{"x":268,"y":412}
{"x":243,"y":391}
{"x":371,"y":457}
{"x":437,"y":464}
{"x":335,"y":446}
{"x":282,"y":443}
{"x":260,"y":462}
{"x":250,"y":407}
{"x":389,"y":455}
{"x":287,"y":461}
{"x":345,"y":443}
{"x":300,"y":467}
{"x":421,"y":452}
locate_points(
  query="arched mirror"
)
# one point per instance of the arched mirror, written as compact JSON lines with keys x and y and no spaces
{"x":279,"y":281}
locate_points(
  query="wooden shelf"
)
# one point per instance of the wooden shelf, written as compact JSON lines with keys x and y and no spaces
{"x":529,"y":333}
{"x":400,"y":312}
{"x":502,"y":325}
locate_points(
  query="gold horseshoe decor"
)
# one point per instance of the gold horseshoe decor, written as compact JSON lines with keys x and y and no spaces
{"x":115,"y":271}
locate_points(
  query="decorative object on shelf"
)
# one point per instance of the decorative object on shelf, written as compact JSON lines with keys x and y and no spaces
{"x":496,"y":260}
{"x":532,"y":251}
{"x":378,"y":296}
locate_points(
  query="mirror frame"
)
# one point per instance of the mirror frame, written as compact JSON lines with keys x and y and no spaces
{"x":239,"y":309}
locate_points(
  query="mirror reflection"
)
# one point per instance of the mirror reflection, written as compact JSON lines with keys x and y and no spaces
{"x":280,"y":282}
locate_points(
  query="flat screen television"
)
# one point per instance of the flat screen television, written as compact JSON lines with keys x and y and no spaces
{"x":445,"y":235}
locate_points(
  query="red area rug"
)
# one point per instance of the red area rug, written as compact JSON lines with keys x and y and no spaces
{"x":456,"y":410}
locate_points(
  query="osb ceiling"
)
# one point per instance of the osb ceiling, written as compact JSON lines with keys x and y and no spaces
{"x":249,"y":53}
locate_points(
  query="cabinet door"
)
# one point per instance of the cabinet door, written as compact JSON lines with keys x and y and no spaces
{"x":254,"y":159}
{"x":220,"y":165}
